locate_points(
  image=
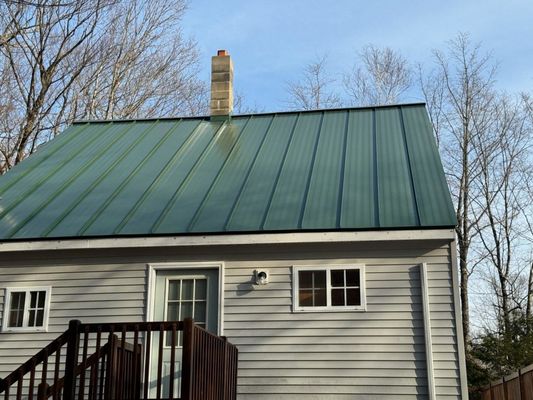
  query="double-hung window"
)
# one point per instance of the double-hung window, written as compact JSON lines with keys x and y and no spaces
{"x":26,"y":309}
{"x":329,"y":288}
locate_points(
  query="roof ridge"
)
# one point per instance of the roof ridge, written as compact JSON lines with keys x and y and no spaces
{"x":268,"y":113}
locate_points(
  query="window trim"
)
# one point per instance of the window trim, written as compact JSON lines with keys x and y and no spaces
{"x":27,"y":290}
{"x":328,"y":267}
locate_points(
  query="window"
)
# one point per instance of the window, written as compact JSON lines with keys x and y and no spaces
{"x":334,"y":288}
{"x":186,"y":298}
{"x":26,"y":309}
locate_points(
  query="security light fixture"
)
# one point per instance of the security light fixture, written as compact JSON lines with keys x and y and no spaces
{"x":260,"y":277}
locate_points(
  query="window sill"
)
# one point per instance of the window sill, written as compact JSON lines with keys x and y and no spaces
{"x":329,"y":309}
{"x":25,"y":330}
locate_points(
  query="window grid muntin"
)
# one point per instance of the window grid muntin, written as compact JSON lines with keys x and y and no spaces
{"x":360,"y":268}
{"x":180,"y":301}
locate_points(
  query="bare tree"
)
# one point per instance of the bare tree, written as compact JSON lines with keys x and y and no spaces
{"x":41,"y":65}
{"x":503,"y":153}
{"x":383,"y":77}
{"x":144,"y":66}
{"x":91,"y":59}
{"x":241,"y":105}
{"x":462,"y":101}
{"x":314,"y":91}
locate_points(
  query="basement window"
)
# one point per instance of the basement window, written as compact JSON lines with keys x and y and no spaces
{"x":26,"y":309}
{"x":329,"y":288}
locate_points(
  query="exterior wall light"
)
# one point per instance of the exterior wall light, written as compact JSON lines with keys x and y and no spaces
{"x":260,"y":277}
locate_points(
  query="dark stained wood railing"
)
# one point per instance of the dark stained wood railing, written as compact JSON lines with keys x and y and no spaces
{"x":212,"y":374}
{"x":125,"y":361}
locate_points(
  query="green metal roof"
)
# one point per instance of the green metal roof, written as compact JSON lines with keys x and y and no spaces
{"x":350,"y":169}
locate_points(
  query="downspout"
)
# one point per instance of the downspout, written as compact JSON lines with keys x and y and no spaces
{"x":427,"y":330}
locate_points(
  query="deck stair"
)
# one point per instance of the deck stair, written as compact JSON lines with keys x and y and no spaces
{"x":124,"y":361}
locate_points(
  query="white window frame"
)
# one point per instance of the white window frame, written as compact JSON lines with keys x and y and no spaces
{"x":328,"y":307}
{"x":25,"y":327}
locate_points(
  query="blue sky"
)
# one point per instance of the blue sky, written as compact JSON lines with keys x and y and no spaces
{"x":271,"y":41}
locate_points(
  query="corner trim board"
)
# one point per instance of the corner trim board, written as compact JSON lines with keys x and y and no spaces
{"x":458,"y":321}
{"x":427,"y":330}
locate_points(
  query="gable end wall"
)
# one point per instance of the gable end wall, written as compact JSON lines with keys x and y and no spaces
{"x":377,"y":354}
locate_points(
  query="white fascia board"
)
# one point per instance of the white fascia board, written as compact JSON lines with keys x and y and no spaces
{"x":228,"y":239}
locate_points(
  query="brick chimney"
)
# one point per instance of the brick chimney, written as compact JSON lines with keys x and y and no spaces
{"x":221,"y":85}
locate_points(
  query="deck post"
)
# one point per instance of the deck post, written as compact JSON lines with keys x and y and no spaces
{"x":71,"y":361}
{"x":42,"y":391}
{"x":187,"y":359}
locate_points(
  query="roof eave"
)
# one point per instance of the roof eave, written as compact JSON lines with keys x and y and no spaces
{"x":442,"y":233}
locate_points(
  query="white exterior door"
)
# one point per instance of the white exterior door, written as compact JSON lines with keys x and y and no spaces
{"x":180,"y":294}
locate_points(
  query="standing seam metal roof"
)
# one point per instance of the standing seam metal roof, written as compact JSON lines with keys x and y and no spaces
{"x":349,"y":169}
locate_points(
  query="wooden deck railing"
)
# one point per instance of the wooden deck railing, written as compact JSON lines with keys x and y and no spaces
{"x":517,"y":386}
{"x":128,"y":361}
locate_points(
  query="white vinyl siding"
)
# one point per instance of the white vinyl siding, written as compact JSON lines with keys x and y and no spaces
{"x":377,"y":354}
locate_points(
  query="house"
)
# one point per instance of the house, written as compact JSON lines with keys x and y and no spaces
{"x":321,"y":243}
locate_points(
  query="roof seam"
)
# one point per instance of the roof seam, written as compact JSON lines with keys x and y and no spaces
{"x":250,"y":169}
{"x":273,"y":191}
{"x":409,"y":166}
{"x":174,"y":197}
{"x":207,"y":195}
{"x":192,"y":137}
{"x":375,"y":167}
{"x":39,"y":184}
{"x":310,"y":175}
{"x":121,"y":186}
{"x":342,"y":172}
{"x":61,"y":189}
{"x":25,"y":173}
{"x":74,"y":204}
{"x":88,"y":223}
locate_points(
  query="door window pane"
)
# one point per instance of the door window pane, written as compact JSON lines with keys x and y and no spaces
{"x":174,"y":290}
{"x":186,"y":310}
{"x":199,"y":312}
{"x":187,"y":288}
{"x":201,"y":289}
{"x":173,"y":312}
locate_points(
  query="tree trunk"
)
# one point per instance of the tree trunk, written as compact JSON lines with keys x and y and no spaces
{"x":465,"y":308}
